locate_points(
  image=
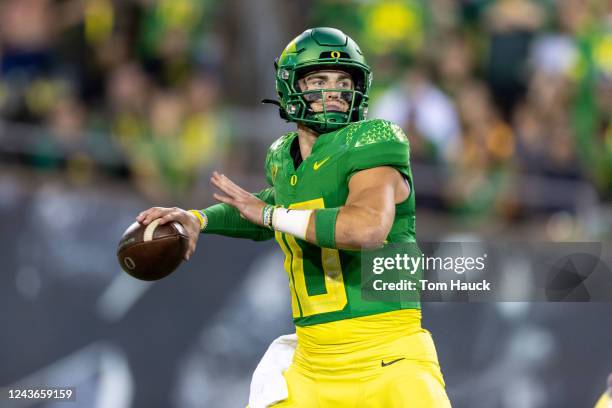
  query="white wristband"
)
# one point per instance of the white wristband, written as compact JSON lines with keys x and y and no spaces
{"x":292,"y":222}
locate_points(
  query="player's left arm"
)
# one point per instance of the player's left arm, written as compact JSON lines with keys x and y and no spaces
{"x":367,"y":216}
{"x":363,"y":222}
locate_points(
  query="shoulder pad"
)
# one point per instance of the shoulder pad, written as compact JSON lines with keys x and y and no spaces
{"x":375,"y":131}
{"x":274,"y":150}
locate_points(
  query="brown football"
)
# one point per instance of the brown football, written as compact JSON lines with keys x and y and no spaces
{"x":151,"y":252}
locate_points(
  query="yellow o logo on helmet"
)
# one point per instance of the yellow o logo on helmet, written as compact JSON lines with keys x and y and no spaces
{"x":335,"y":54}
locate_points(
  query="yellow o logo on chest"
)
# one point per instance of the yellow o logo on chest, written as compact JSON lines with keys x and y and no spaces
{"x":293,"y":180}
{"x":335,"y":54}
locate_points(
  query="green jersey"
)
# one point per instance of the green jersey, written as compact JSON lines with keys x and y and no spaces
{"x":325,"y":283}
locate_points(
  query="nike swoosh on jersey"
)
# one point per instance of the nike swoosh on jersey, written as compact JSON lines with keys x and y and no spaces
{"x":317,"y":164}
{"x":383,"y":364}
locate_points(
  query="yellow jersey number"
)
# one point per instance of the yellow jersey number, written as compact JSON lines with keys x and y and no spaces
{"x":303,"y":304}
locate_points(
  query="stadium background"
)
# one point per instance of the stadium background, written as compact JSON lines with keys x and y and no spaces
{"x":109,"y":107}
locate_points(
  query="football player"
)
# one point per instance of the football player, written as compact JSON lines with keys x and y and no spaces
{"x":338,"y":184}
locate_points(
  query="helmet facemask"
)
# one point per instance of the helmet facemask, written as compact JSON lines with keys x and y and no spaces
{"x":321,"y":49}
{"x":299,"y":105}
{"x":329,"y":119}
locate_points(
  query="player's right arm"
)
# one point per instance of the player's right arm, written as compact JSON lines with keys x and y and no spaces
{"x":220,"y":219}
{"x":223,"y":219}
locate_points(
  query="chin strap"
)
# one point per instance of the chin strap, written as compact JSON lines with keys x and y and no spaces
{"x":271,"y":102}
{"x":281,"y":111}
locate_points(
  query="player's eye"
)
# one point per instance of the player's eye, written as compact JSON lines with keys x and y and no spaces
{"x":315,"y":82}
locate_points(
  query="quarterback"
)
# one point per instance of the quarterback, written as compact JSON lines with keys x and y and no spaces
{"x":337,"y":185}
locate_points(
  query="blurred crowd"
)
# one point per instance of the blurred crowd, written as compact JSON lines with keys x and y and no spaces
{"x":509,"y":100}
{"x":491,"y":92}
{"x":129,"y":88}
{"x":496,"y":92}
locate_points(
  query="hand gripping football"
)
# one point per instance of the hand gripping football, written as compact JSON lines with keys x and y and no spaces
{"x":151,"y":252}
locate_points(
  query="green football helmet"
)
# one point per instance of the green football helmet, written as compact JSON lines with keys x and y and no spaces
{"x":316,"y":49}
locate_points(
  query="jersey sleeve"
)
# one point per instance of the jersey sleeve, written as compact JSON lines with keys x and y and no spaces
{"x":225,"y":220}
{"x":268,"y":168}
{"x":273,"y":157}
{"x":379,"y":143}
{"x":267,"y":195}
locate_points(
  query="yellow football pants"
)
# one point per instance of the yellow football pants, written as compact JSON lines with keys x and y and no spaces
{"x":603,"y":402}
{"x":380,"y":361}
